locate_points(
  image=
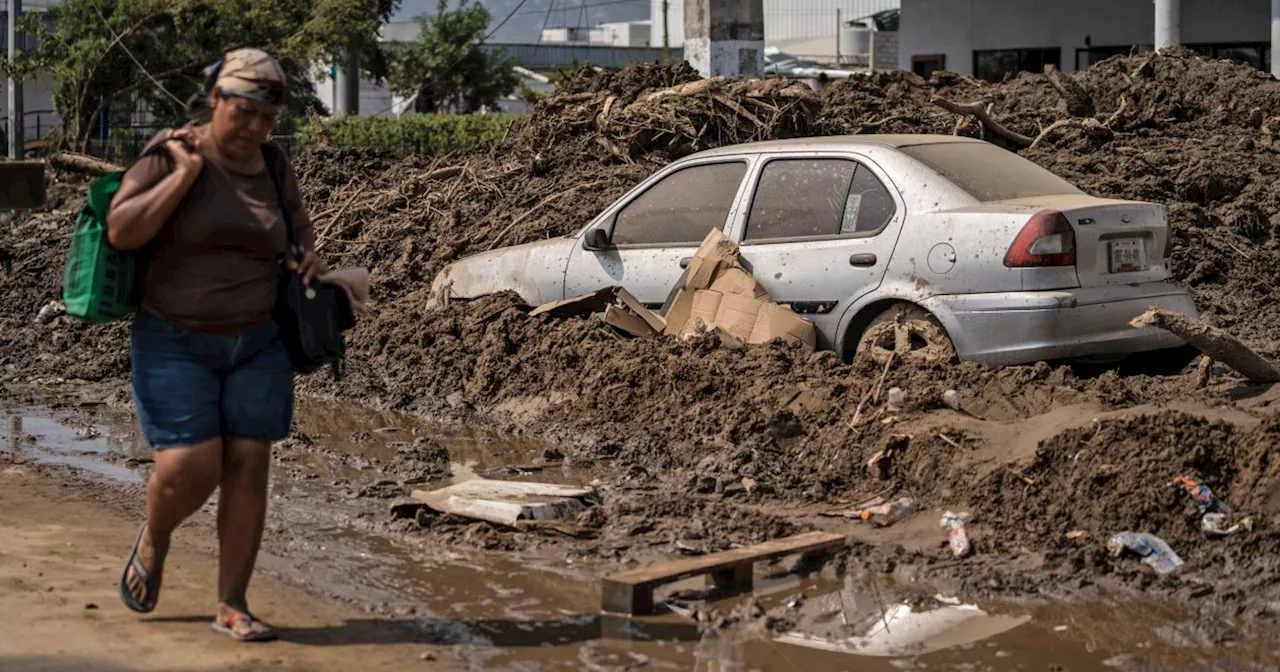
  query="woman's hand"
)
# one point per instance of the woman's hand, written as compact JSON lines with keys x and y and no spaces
{"x":311,"y":266}
{"x":184,"y":145}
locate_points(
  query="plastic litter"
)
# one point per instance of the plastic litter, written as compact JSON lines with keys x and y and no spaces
{"x":1153,"y":550}
{"x":957,"y":537}
{"x":50,"y":311}
{"x":952,"y":399}
{"x":888,"y":514}
{"x":1206,"y":501}
{"x":1216,"y":525}
{"x":896,"y":399}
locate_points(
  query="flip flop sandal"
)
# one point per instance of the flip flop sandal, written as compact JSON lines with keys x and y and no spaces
{"x":229,"y":629}
{"x":148,"y":581}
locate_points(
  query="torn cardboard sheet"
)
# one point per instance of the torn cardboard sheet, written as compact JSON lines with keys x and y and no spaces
{"x":720,"y":293}
{"x":507,"y":502}
{"x":618,"y":307}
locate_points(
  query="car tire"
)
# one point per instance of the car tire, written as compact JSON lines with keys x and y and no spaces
{"x":906,"y":332}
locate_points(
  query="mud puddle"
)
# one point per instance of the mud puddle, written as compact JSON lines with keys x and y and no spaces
{"x":539,"y":611}
{"x":112,"y":452}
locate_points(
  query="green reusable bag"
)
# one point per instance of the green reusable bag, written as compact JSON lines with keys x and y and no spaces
{"x":100,"y":283}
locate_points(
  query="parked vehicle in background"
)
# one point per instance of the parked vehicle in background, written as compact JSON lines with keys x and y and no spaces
{"x":779,"y":63}
{"x":976,"y":248}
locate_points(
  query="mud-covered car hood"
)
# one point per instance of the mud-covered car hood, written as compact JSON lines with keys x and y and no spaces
{"x":535,"y":271}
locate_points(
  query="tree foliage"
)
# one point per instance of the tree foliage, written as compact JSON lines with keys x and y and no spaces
{"x":447,"y":68}
{"x":153,"y":51}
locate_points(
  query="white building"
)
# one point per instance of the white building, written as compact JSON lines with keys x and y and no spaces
{"x":786,"y":22}
{"x":622,"y":34}
{"x":993,"y":38}
{"x":39,"y":117}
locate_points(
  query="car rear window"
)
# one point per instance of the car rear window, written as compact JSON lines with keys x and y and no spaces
{"x":987,"y":172}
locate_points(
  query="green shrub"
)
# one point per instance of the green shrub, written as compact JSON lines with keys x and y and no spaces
{"x":422,"y":134}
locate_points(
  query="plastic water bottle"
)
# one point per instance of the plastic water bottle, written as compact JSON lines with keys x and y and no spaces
{"x":1153,"y":550}
{"x":888,"y":514}
{"x":957,"y":537}
{"x":952,"y":399}
{"x":1206,"y":501}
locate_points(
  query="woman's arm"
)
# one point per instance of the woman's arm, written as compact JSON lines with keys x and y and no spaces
{"x":138,"y":210}
{"x":312,"y":265}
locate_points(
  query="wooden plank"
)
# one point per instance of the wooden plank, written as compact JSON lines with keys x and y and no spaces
{"x":586,"y":304}
{"x":490,"y":488}
{"x":631,"y":592}
{"x":623,"y":319}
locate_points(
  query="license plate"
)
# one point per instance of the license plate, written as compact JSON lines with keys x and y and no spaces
{"x":1128,"y":256}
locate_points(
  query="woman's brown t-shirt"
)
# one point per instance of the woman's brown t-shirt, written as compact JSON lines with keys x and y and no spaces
{"x":213,"y":266}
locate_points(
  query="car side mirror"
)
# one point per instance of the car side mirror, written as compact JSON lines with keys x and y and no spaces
{"x":596,"y":239}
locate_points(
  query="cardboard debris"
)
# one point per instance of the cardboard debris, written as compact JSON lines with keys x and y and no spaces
{"x":720,"y":293}
{"x":507,"y":502}
{"x":620,"y":310}
{"x":716,"y":296}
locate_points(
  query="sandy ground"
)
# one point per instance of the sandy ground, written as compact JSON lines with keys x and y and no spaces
{"x":60,"y":557}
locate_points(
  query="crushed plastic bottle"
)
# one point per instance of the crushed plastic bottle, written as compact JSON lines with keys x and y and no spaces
{"x":49,"y":311}
{"x":952,"y":399}
{"x":1153,"y":550}
{"x":1215,"y":525}
{"x":1206,"y":501}
{"x":888,"y":514}
{"x":957,"y":537}
{"x":896,"y":399}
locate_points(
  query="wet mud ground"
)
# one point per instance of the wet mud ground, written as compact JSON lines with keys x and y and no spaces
{"x":534,"y":605}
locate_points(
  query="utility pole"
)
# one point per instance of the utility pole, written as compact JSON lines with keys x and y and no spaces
{"x":839,"y":33}
{"x":666,"y":30}
{"x":16,"y":143}
{"x":1168,"y":23}
{"x":1275,"y":38}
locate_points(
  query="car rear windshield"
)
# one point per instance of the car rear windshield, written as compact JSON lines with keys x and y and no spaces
{"x":987,"y":172}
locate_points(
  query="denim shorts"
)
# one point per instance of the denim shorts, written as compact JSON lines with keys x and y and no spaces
{"x":190,"y":387}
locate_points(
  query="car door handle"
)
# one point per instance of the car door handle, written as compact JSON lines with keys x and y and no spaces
{"x":864,"y":259}
{"x":684,"y":263}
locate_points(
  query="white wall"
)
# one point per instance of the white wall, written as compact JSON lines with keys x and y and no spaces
{"x":783,"y":19}
{"x":675,"y":22}
{"x":37,"y":94}
{"x":959,"y":27}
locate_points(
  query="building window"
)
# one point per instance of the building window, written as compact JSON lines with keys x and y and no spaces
{"x":1091,"y":55}
{"x":1257,"y":54}
{"x":996,"y":65}
{"x":925,"y":66}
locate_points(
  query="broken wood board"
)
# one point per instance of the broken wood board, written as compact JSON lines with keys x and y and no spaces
{"x":654,"y":320}
{"x":507,"y":502}
{"x":1212,"y":341}
{"x":631,"y":592}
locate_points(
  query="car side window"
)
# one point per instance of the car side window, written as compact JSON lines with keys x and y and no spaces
{"x":682,"y":208}
{"x":804,"y":198}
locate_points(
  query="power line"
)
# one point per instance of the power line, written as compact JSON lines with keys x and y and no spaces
{"x":133,"y":58}
{"x":588,"y":5}
{"x":551,"y":6}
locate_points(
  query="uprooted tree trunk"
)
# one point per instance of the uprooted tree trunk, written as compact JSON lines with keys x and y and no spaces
{"x":1214,"y":342}
{"x":79,"y":163}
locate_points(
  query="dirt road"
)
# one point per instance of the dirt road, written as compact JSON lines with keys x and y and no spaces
{"x":61,"y":549}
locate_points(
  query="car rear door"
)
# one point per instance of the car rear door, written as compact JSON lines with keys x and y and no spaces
{"x":656,"y":229}
{"x":818,"y":230}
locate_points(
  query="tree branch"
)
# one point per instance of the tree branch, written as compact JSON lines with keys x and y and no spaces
{"x":977,"y":111}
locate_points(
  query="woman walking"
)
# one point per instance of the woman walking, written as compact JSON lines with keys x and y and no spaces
{"x":212,"y":381}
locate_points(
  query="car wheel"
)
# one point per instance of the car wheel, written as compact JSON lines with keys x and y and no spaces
{"x":906,"y":332}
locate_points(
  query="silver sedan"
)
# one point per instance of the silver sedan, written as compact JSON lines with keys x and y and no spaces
{"x":975,"y":249}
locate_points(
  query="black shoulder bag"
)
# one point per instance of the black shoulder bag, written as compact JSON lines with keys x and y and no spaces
{"x":311,"y":319}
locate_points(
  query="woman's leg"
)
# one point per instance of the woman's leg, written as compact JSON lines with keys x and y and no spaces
{"x":176,"y":391}
{"x":257,"y":409}
{"x":181,"y":483}
{"x":242,"y":512}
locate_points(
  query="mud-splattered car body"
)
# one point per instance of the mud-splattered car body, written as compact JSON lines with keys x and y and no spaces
{"x":1014,"y":263}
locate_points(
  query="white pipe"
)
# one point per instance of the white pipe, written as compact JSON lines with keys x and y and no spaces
{"x":1168,"y":23}
{"x":1275,"y":38}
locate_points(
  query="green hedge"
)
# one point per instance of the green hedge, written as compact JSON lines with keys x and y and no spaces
{"x":423,"y":134}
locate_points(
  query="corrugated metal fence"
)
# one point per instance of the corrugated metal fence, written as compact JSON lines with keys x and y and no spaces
{"x":546,"y":56}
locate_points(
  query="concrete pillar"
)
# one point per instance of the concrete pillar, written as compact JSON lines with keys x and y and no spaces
{"x":1275,"y":38}
{"x":347,"y":83}
{"x":724,"y":37}
{"x":1168,"y":23}
{"x":16,"y":124}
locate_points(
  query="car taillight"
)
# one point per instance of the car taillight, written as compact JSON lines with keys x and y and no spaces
{"x":1046,"y":240}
